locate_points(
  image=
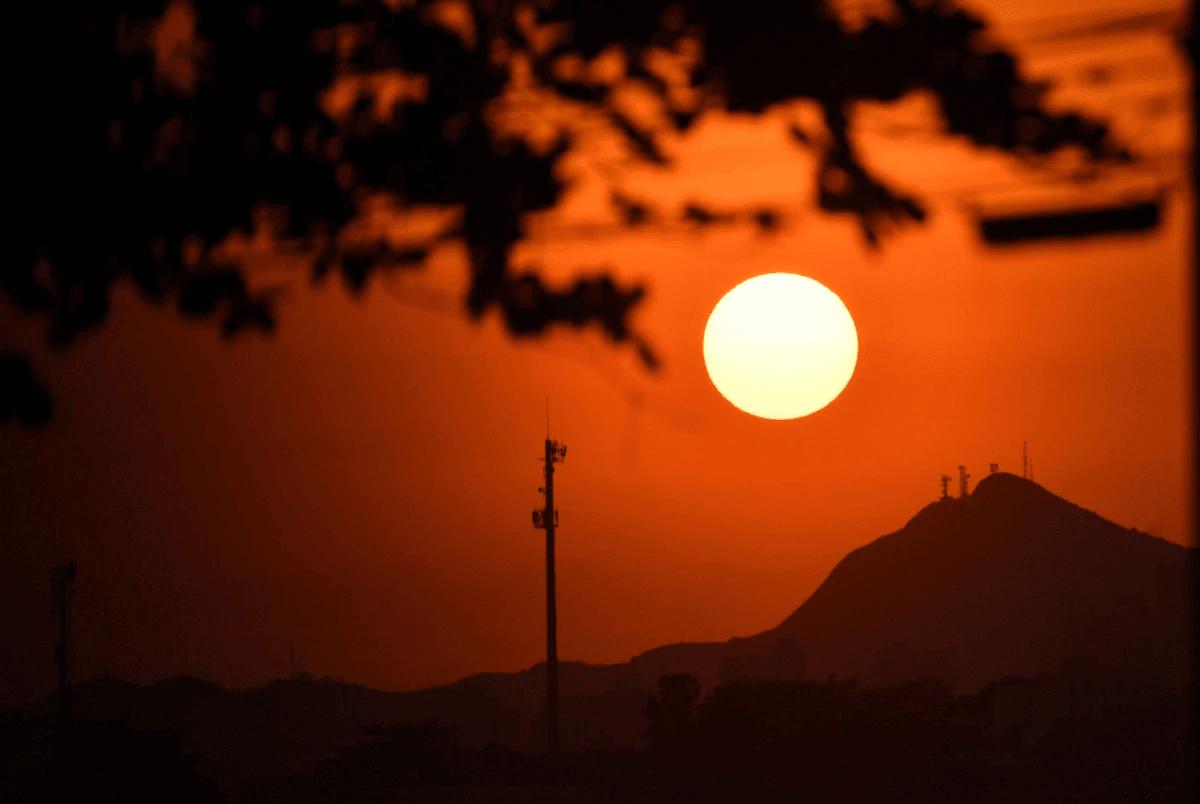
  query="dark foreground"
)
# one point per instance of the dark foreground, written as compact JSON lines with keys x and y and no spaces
{"x":1077,"y":735}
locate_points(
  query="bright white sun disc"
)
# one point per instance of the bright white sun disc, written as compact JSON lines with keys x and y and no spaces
{"x":780,"y":346}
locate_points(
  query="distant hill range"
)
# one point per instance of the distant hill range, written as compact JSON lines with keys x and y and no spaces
{"x":1009,"y":581}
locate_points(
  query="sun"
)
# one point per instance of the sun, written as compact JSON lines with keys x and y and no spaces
{"x":780,"y":346}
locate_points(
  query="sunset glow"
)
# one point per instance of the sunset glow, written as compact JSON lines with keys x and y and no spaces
{"x":780,"y":346}
{"x":306,"y":301}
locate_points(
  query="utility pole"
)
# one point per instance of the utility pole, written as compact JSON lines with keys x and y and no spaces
{"x":547,"y":519}
{"x":62,"y":589}
{"x":1191,"y":44}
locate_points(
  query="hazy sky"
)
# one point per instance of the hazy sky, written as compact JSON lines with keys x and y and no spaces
{"x":359,"y":486}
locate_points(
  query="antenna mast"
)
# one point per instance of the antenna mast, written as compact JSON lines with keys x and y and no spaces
{"x":963,"y":477}
{"x":945,"y":481}
{"x":1025,"y":459}
{"x":546,"y":519}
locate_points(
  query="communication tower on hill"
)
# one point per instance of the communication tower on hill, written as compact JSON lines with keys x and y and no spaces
{"x":945,"y":481}
{"x":963,"y":477}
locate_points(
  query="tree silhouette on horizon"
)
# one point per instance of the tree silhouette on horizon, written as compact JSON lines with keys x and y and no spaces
{"x":153,"y":134}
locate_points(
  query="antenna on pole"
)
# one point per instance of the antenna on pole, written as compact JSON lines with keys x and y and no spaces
{"x":546,"y":519}
{"x":945,"y":481}
{"x":963,"y":477}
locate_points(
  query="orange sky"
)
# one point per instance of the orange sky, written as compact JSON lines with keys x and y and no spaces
{"x":360,"y":485}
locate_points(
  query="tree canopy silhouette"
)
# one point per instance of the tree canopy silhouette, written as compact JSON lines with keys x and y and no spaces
{"x":152,"y":137}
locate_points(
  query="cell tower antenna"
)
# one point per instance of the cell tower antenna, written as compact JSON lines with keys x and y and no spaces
{"x":993,"y":468}
{"x":963,"y":477}
{"x":1025,"y":459}
{"x":546,"y":518}
{"x":945,"y":481}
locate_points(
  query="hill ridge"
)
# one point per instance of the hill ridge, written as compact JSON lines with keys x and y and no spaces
{"x":1012,"y":580}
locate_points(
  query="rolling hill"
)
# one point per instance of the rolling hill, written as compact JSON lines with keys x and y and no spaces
{"x":1008,"y":581}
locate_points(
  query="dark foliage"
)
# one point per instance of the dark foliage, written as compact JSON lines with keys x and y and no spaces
{"x":672,"y":709}
{"x":146,"y":140}
{"x":1074,"y":736}
{"x":1083,"y":734}
{"x":24,"y":399}
{"x":98,"y":762}
{"x":1070,"y":737}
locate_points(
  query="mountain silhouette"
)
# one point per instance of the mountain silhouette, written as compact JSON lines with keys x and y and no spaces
{"x":1010,"y":581}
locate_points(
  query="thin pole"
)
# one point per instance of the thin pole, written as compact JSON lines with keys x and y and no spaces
{"x":1191,"y":47}
{"x":551,"y":608}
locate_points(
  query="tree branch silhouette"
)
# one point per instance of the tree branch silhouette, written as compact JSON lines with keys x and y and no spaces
{"x":151,"y":133}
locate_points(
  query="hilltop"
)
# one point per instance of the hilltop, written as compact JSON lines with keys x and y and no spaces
{"x":1009,"y":581}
